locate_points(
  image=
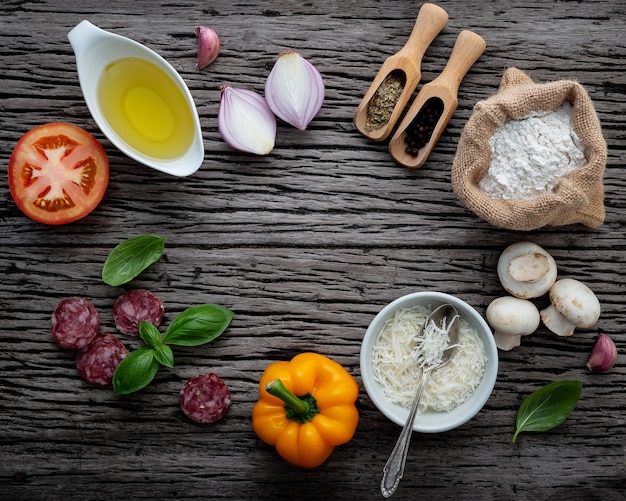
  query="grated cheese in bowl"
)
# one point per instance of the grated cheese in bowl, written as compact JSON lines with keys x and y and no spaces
{"x":398,"y":354}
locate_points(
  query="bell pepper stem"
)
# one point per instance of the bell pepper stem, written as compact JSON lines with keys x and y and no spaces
{"x":278,"y":389}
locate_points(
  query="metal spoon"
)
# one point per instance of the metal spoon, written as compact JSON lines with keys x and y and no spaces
{"x":394,"y":469}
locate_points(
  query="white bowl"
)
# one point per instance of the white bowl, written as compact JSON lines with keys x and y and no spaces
{"x":430,"y":422}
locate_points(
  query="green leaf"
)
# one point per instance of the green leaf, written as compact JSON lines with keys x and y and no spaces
{"x":164,"y":355}
{"x":547,"y":407}
{"x":198,"y":325}
{"x":135,"y":371}
{"x":150,"y":334}
{"x":129,"y":258}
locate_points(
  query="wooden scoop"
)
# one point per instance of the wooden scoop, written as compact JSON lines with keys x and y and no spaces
{"x":406,"y":63}
{"x":467,"y":49}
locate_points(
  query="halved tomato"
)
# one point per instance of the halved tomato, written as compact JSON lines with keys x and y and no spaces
{"x":58,"y":173}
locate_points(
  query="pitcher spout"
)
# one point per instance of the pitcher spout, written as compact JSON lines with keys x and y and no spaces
{"x":83,"y":36}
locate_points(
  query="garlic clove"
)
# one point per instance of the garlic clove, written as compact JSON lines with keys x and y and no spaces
{"x":245,"y":121}
{"x":603,"y":356}
{"x":208,"y":46}
{"x":294,"y":90}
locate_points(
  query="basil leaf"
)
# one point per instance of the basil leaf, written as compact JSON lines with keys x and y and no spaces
{"x":198,"y":325}
{"x":150,"y":334}
{"x":164,"y":355}
{"x":135,"y":371}
{"x":129,"y":258}
{"x":547,"y":407}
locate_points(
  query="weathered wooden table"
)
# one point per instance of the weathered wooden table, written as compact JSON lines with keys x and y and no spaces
{"x":306,"y":245}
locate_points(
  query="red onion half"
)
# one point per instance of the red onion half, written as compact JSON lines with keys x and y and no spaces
{"x":294,"y":90}
{"x":245,"y":121}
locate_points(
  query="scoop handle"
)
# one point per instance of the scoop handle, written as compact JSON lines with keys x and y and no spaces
{"x":429,"y":22}
{"x":467,"y":49}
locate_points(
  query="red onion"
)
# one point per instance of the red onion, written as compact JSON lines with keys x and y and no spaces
{"x":245,"y":121}
{"x":294,"y":90}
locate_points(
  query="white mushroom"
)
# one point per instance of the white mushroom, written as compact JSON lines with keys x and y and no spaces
{"x":511,"y":318}
{"x":573,"y":305}
{"x":526,"y":270}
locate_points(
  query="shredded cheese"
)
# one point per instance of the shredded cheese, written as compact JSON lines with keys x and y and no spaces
{"x":398,"y":356}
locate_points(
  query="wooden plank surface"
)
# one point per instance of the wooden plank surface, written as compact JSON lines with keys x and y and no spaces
{"x":306,"y":245}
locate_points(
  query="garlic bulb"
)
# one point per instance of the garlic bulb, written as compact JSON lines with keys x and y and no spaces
{"x":294,"y":90}
{"x":245,"y":121}
{"x":208,"y":46}
{"x":603,"y":356}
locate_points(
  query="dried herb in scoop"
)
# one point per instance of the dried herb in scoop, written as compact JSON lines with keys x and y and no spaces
{"x":384,"y":100}
{"x":547,"y":407}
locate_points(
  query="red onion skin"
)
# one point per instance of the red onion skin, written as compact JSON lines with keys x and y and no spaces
{"x":603,"y":356}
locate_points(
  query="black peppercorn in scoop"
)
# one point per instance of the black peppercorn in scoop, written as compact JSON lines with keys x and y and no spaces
{"x":434,"y":105}
{"x":398,"y":77}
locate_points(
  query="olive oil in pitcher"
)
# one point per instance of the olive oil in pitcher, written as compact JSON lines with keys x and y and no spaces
{"x":146,"y":108}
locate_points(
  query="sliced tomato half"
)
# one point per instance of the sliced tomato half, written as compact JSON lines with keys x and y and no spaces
{"x":58,"y":173}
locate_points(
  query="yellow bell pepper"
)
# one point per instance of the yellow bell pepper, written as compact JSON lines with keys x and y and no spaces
{"x":306,"y":408}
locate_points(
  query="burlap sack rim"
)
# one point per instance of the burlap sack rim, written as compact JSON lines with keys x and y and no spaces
{"x":547,"y":209}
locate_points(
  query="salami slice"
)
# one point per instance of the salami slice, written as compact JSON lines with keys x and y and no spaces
{"x":75,"y":323}
{"x":205,"y":398}
{"x":97,"y":361}
{"x":134,"y":306}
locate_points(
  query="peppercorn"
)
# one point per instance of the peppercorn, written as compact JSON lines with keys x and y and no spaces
{"x":420,"y":130}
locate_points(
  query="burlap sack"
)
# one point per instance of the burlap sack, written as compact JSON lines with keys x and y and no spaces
{"x":579,"y":197}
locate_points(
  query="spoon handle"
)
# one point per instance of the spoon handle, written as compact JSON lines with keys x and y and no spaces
{"x":430,"y":21}
{"x":394,"y":468}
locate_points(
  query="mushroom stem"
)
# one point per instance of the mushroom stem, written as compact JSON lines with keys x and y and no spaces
{"x":554,"y":321}
{"x":506,"y":342}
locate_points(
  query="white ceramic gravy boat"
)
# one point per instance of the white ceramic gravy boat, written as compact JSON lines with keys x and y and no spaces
{"x":95,"y":49}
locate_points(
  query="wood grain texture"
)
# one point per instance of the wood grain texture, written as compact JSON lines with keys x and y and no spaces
{"x":306,"y":245}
